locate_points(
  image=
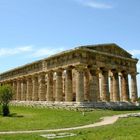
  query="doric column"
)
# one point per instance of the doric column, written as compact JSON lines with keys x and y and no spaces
{"x":116,"y":94}
{"x":50,"y":86}
{"x":124,"y":87}
{"x":35,"y":88}
{"x":23,"y":90}
{"x":93,"y":85}
{"x":86,"y":86}
{"x":134,"y":93}
{"x":42,"y":87}
{"x":59,"y":90}
{"x":111,"y":88}
{"x":14,"y":87}
{"x":79,"y":84}
{"x":18,"y":95}
{"x":74,"y":84}
{"x":29,"y":89}
{"x":104,"y":85}
{"x":68,"y":85}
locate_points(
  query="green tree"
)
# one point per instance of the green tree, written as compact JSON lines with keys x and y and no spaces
{"x":6,"y":94}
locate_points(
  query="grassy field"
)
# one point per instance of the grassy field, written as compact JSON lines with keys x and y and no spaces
{"x":27,"y":118}
{"x":124,"y":129}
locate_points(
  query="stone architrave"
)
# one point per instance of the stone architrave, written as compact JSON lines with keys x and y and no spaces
{"x":80,"y":83}
{"x":35,"y":88}
{"x":59,"y":86}
{"x":42,"y":87}
{"x":68,"y":85}
{"x":124,"y":87}
{"x":50,"y":86}
{"x":104,"y":85}
{"x":134,"y":93}
{"x":116,"y":94}
{"x":29,"y":89}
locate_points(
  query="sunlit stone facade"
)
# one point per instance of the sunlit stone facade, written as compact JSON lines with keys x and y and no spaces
{"x":86,"y":74}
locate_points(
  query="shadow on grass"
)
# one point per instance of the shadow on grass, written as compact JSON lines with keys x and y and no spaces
{"x":13,"y":115}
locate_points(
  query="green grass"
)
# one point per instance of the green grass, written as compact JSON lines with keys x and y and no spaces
{"x":27,"y":118}
{"x":123,"y":129}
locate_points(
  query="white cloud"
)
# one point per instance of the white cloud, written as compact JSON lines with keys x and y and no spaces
{"x":45,"y":52}
{"x":29,"y":51}
{"x":134,"y":52}
{"x":13,"y":51}
{"x":95,"y":4}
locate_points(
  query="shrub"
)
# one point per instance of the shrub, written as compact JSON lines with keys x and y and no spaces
{"x":5,"y":97}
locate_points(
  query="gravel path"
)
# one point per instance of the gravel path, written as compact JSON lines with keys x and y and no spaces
{"x":104,"y":121}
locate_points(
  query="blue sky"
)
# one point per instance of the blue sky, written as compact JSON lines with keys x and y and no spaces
{"x":33,"y":29}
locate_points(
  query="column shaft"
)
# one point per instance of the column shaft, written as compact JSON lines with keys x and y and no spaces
{"x":111,"y":88}
{"x":79,"y":85}
{"x":23,"y":90}
{"x":14,"y":90}
{"x":93,"y":85}
{"x":116,"y":94}
{"x":42,"y":87}
{"x":29,"y":89}
{"x":86,"y":86}
{"x":18,"y":95}
{"x":59,"y":89}
{"x":105,"y":87}
{"x":134,"y":92}
{"x":124,"y":87}
{"x":50,"y":86}
{"x":35,"y":88}
{"x":68,"y":86}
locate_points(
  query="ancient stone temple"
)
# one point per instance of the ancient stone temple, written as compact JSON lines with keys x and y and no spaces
{"x":85,"y":75}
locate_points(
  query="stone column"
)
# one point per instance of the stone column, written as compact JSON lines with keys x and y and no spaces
{"x":111,"y":88}
{"x":35,"y":88}
{"x":79,"y":84}
{"x":42,"y":87}
{"x":50,"y":86}
{"x":18,"y":95}
{"x":23,"y":90}
{"x":74,"y":84}
{"x":59,"y":90}
{"x":93,"y":85}
{"x":68,"y":85}
{"x":14,"y":87}
{"x":134,"y":92}
{"x":116,"y":94}
{"x":86,"y":86}
{"x":104,"y":85}
{"x":29,"y":89}
{"x":124,"y":87}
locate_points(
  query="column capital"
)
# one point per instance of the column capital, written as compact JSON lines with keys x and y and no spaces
{"x":81,"y":67}
{"x":69,"y":68}
{"x":124,"y":73}
{"x":134,"y":73}
{"x":59,"y":70}
{"x":104,"y":69}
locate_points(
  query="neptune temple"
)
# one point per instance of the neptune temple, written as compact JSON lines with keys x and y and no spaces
{"x":84,"y":75}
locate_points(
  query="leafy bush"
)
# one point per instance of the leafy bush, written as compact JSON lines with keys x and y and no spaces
{"x":6,"y":94}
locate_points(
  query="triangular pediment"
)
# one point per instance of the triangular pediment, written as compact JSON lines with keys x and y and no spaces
{"x":109,"y":48}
